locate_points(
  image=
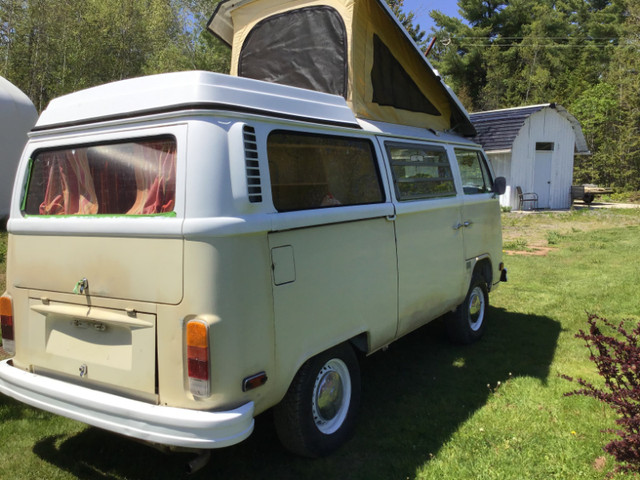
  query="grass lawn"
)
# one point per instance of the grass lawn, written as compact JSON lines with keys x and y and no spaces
{"x":430,"y":410}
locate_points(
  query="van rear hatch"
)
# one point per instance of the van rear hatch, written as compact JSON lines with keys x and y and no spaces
{"x":98,"y":247}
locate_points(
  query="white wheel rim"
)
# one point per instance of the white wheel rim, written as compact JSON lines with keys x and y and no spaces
{"x":331,"y":396}
{"x":476,"y":308}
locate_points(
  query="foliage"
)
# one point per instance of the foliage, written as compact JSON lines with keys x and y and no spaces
{"x":406,"y":19}
{"x":3,"y":248}
{"x":52,"y":47}
{"x":583,"y":54}
{"x":617,"y":359}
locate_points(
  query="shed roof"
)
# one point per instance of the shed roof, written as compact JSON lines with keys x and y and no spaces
{"x":498,"y":129}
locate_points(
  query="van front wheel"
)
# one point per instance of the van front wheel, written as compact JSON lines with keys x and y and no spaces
{"x":467,"y":323}
{"x":317,"y":415}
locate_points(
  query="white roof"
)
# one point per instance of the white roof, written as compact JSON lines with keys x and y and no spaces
{"x":14,"y":104}
{"x":194,"y":90}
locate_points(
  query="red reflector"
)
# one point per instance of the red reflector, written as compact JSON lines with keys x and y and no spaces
{"x":198,"y":369}
{"x":6,"y":318}
{"x":254,"y":381}
{"x":197,"y":337}
{"x":7,"y":329}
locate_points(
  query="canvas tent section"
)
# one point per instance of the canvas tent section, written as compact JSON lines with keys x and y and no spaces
{"x":17,"y":117}
{"x":533,"y":147}
{"x":353,"y":48}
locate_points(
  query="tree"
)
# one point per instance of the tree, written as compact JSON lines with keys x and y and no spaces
{"x":584,"y":54}
{"x":406,"y":19}
{"x":52,"y":47}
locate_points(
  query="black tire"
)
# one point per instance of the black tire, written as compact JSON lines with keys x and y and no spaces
{"x":318,"y":413}
{"x":467,"y":323}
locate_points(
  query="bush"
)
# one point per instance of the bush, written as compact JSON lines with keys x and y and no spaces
{"x":617,"y":358}
{"x":553,"y":237}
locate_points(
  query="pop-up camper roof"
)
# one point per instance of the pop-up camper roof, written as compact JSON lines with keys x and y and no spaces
{"x":353,"y":48}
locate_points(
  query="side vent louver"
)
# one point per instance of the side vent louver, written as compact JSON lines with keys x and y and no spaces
{"x":252,"y":165}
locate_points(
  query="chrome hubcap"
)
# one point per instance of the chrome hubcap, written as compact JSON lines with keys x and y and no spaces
{"x":331,"y":396}
{"x":476,"y":308}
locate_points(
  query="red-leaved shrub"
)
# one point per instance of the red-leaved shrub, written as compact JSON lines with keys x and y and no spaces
{"x":617,"y":358}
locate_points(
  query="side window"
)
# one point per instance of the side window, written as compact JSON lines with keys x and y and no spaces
{"x":319,"y":171}
{"x":474,"y":172}
{"x":420,"y":171}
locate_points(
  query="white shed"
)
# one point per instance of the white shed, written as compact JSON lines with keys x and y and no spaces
{"x":17,"y":117}
{"x":533,"y":148}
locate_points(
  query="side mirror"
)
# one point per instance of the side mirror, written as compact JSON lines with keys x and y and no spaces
{"x":499,"y":185}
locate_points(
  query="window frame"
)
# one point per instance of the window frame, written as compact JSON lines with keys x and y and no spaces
{"x":374,"y":158}
{"x":485,"y":170}
{"x":426,"y":147}
{"x":117,"y":140}
{"x":545,"y":146}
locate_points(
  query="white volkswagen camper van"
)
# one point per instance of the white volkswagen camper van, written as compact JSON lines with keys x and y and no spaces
{"x":189,"y":250}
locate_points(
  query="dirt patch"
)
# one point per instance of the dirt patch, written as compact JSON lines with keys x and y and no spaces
{"x":534,"y":251}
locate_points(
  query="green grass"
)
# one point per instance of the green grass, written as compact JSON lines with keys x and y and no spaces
{"x":430,"y":410}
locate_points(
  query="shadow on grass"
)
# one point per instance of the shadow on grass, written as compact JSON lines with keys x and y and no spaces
{"x":415,"y":396}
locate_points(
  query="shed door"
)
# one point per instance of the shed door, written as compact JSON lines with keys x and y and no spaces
{"x":542,"y":178}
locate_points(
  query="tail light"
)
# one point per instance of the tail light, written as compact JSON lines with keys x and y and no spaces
{"x":6,"y":320}
{"x":198,"y":357}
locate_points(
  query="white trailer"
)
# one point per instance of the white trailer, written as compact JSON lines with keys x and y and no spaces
{"x":17,"y":117}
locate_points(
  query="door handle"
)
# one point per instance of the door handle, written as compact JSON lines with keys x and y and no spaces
{"x":458,"y":226}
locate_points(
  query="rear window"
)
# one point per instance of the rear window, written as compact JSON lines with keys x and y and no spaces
{"x":136,"y":177}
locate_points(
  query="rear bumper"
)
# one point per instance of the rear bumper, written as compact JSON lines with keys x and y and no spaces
{"x":151,"y":423}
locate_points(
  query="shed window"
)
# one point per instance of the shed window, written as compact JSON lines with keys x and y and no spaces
{"x":320,"y":171}
{"x":545,"y":146}
{"x":136,"y":177}
{"x":305,"y":48}
{"x":420,"y":171}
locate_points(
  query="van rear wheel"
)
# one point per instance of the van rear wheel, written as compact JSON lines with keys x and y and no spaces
{"x":467,"y":323}
{"x":317,"y":415}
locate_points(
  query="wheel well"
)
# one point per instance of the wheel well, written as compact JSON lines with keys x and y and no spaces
{"x":360,"y":343}
{"x":483,"y":269}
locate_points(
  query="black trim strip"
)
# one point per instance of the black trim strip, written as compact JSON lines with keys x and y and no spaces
{"x":195,"y":106}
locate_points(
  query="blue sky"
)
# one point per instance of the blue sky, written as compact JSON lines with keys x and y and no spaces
{"x":421,"y":8}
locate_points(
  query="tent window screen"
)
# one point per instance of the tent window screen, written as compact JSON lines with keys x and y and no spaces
{"x":420,"y":172}
{"x":393,"y":86}
{"x":320,"y":171}
{"x":136,"y":177}
{"x":304,"y":48}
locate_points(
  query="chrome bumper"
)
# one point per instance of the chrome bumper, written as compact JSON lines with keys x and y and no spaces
{"x":151,"y":423}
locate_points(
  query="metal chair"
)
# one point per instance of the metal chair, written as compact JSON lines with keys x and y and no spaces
{"x":529,"y":197}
